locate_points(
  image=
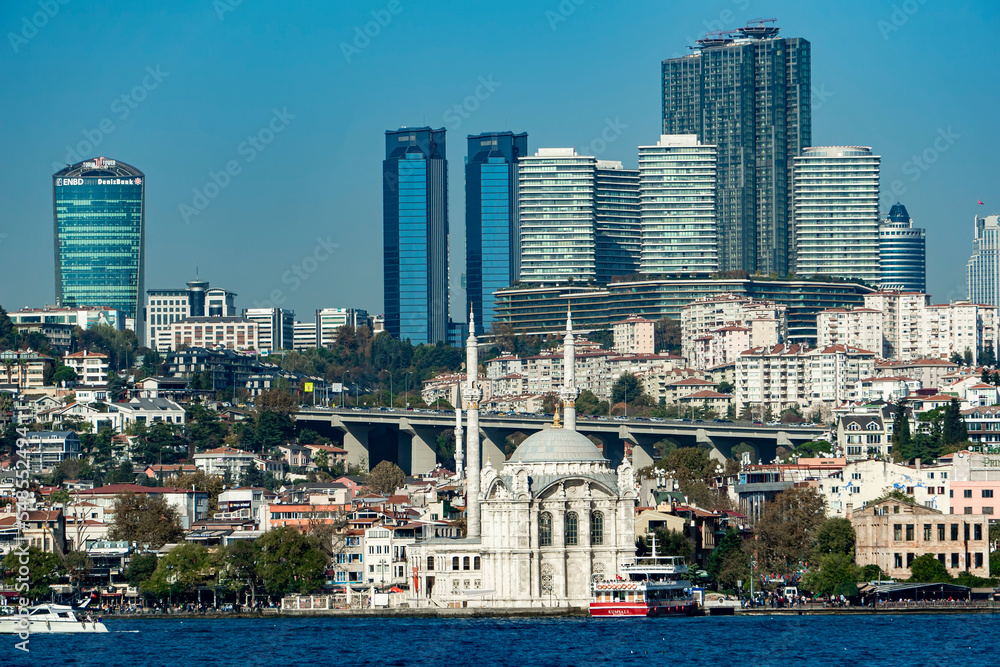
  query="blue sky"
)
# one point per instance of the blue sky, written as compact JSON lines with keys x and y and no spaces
{"x":260,"y":125}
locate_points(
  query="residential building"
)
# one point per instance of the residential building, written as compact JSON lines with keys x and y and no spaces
{"x":234,"y":333}
{"x":148,"y":411}
{"x":106,"y":267}
{"x":929,"y":372}
{"x":959,"y":327}
{"x":415,"y":234}
{"x":748,"y":93}
{"x":857,"y":327}
{"x":26,"y":369}
{"x":863,"y":436}
{"x":887,"y":388}
{"x":91,"y":368}
{"x":42,"y":529}
{"x":556,"y":189}
{"x":983,"y":269}
{"x":634,"y":335}
{"x":983,"y":426}
{"x":225,"y":462}
{"x":191,"y":505}
{"x":47,"y":449}
{"x":836,"y":213}
{"x":680,"y":232}
{"x":60,"y":336}
{"x":492,"y":228}
{"x":275,"y":327}
{"x":901,"y":314}
{"x":617,"y":230}
{"x":166,"y":306}
{"x":893,"y":533}
{"x":765,"y":322}
{"x":902,"y":253}
{"x":975,"y":482}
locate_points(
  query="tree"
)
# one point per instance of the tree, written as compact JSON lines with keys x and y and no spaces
{"x":63,"y":374}
{"x":967,"y":357}
{"x":928,"y":569}
{"x":276,"y":400}
{"x":587,"y":403}
{"x":725,"y":387}
{"x":835,"y":570}
{"x":141,"y":568}
{"x":183,"y":568}
{"x":626,"y":387}
{"x":786,"y":531}
{"x":290,"y":562}
{"x":835,"y":536}
{"x":901,"y":430}
{"x":953,"y":427}
{"x":144,"y":519}
{"x":727,"y":563}
{"x":272,"y":429}
{"x":956,"y":358}
{"x":44,"y":569}
{"x":872,"y":572}
{"x":241,"y":558}
{"x":670,"y":543}
{"x":77,"y":565}
{"x":385,"y":478}
{"x":814,"y":447}
{"x":550,"y":403}
{"x":667,"y":335}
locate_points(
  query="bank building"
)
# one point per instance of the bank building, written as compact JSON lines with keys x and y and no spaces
{"x":540,"y":525}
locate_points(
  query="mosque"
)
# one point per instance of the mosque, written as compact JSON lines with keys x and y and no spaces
{"x":539,"y":528}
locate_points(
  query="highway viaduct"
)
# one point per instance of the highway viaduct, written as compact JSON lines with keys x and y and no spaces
{"x":407,"y":437}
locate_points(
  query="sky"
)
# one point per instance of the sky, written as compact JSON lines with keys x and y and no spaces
{"x":260,"y":125}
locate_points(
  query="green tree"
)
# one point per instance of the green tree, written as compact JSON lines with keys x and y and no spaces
{"x":725,"y":387}
{"x":626,"y":388}
{"x":956,"y":358}
{"x":241,"y":559}
{"x":835,"y":536}
{"x":953,"y":427}
{"x":872,"y":572}
{"x":786,"y":532}
{"x":928,"y":569}
{"x":385,"y":478}
{"x":587,"y":403}
{"x":668,"y":543}
{"x":290,"y":562}
{"x":667,"y":335}
{"x":988,"y":357}
{"x":901,"y":430}
{"x":63,"y":374}
{"x":77,"y":565}
{"x":44,"y":567}
{"x":550,"y":403}
{"x":728,"y":562}
{"x":144,"y":519}
{"x":813,"y":448}
{"x":835,"y":570}
{"x":141,"y":568}
{"x":185,"y":567}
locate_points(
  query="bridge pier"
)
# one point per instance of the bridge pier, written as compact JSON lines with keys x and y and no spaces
{"x":417,"y":453}
{"x":356,"y":443}
{"x":643,"y":454}
{"x":714,"y":452}
{"x":492,"y":443}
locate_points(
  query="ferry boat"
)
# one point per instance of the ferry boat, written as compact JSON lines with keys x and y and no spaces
{"x":50,"y":618}
{"x":652,"y":586}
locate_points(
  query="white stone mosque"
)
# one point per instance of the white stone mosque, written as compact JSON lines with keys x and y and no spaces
{"x":539,"y":529}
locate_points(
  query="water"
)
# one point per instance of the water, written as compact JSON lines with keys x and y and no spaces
{"x":855,"y":641}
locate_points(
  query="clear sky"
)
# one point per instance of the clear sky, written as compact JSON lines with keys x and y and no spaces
{"x":293,"y":99}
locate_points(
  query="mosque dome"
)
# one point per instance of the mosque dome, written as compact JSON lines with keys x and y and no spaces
{"x":557,"y":445}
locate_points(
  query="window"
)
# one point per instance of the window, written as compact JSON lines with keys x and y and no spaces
{"x":897,"y":532}
{"x":979,"y":559}
{"x":954,"y":533}
{"x":909,"y":560}
{"x":967,"y":493}
{"x":977,"y":531}
{"x":954,"y":561}
{"x":987,"y":493}
{"x":466,"y":563}
{"x":572,"y":529}
{"x":476,"y":562}
{"x":597,"y":528}
{"x":454,"y":563}
{"x":940,"y":532}
{"x":545,"y":530}
{"x":927,"y":532}
{"x":967,"y":510}
{"x":987,"y":510}
{"x":909,"y":490}
{"x":909,"y":532}
{"x":898,"y":560}
{"x":430,"y":562}
{"x":895,"y":509}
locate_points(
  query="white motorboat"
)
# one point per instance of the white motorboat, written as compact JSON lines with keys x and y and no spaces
{"x":50,"y":618}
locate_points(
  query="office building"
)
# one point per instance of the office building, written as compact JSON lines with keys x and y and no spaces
{"x":234,"y":333}
{"x":617,"y":232}
{"x":276,"y":327}
{"x":902,"y":253}
{"x":748,"y":93}
{"x":983,"y":269}
{"x":836,"y":213}
{"x":329,"y":320}
{"x":99,"y":209}
{"x":85,"y":317}
{"x":492,"y":233}
{"x":415,"y":234}
{"x":164,"y":306}
{"x":303,"y":336}
{"x":677,"y":180}
{"x":556,"y":211}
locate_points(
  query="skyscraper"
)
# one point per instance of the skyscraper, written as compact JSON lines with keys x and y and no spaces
{"x":677,"y":184}
{"x":166,"y":306}
{"x":617,"y":233}
{"x":99,"y":210}
{"x":984,"y":265}
{"x":556,"y":212}
{"x":836,"y":213}
{"x":415,"y":234}
{"x":492,"y":233}
{"x":747,"y":92}
{"x":902,"y":252}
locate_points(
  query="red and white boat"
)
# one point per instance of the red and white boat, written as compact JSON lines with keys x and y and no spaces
{"x":652,"y":586}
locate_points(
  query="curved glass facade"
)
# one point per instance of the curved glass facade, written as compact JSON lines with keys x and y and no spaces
{"x":99,"y":235}
{"x":902,"y":253}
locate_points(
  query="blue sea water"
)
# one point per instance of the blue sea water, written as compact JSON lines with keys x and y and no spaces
{"x":853,"y":641}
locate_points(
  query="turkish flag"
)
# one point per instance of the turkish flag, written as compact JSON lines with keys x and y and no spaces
{"x":980,"y":202}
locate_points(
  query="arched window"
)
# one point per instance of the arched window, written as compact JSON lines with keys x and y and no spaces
{"x":545,"y":529}
{"x":465,"y":563}
{"x":454,"y":563}
{"x":572,"y":529}
{"x":597,"y":528}
{"x":430,"y":562}
{"x":477,"y":563}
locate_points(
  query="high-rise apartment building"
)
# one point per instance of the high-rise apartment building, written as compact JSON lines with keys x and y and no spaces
{"x":99,"y":208}
{"x":556,"y":212}
{"x":415,"y":234}
{"x":617,"y":233}
{"x":748,"y":93}
{"x":983,"y":269}
{"x":492,"y":233}
{"x":836,"y":213}
{"x":677,"y":180}
{"x":902,"y":252}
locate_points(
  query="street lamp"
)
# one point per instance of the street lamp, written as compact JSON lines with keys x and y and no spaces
{"x":342,"y":376}
{"x":407,"y":391}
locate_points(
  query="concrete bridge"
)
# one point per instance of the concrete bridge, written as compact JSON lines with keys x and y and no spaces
{"x":408,"y":437}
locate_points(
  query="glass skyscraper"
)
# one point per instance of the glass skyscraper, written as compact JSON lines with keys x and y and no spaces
{"x":616,"y":220}
{"x":836,"y":213}
{"x":677,"y":182}
{"x":99,"y":210}
{"x":415,"y":234}
{"x":902,"y":252}
{"x":748,"y":93}
{"x":984,"y":264}
{"x":492,"y":234}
